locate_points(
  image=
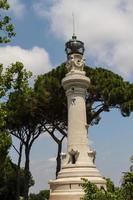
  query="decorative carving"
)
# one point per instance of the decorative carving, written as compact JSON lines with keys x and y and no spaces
{"x":73,"y":156}
{"x":75,"y":62}
{"x":92,"y":155}
{"x":73,"y":101}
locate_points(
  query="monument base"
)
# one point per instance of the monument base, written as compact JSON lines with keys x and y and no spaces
{"x":73,"y":195}
{"x":68,"y":185}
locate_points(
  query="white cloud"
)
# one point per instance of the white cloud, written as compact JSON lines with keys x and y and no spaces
{"x":17,"y":8}
{"x":35,"y":59}
{"x":106,"y":27}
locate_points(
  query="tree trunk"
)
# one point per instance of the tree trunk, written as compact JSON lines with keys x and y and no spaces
{"x":27,"y":172}
{"x":58,"y":158}
{"x":18,"y":172}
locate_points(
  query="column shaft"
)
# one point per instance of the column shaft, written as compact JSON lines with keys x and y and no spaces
{"x":77,"y":131}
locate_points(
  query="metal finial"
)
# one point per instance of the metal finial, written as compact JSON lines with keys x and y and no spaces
{"x":73,"y":26}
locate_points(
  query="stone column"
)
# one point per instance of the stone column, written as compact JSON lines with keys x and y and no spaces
{"x":76,"y":84}
{"x":78,"y":162}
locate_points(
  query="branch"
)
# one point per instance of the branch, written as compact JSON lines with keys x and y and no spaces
{"x":98,"y":106}
{"x":52,"y":134}
{"x":60,"y":130}
{"x":62,"y":138}
{"x":16,"y":149}
{"x":17,"y":136}
{"x":97,"y":113}
{"x":36,"y":136}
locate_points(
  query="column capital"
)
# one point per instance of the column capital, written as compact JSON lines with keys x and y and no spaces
{"x":75,"y":80}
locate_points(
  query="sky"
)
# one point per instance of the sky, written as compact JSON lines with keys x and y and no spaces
{"x":106,"y":27}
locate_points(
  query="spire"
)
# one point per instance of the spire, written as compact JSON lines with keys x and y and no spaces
{"x":73,"y":26}
{"x":74,"y":46}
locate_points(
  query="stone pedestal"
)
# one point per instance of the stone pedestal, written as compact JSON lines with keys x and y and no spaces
{"x":79,"y":161}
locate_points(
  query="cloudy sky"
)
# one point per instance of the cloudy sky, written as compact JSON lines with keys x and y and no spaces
{"x":106,"y":28}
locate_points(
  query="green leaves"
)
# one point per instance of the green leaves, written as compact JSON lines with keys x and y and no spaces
{"x":8,"y":181}
{"x":106,"y":91}
{"x":92,"y":192}
{"x":5,"y":143}
{"x":125,"y":192}
{"x":16,"y":77}
{"x":42,"y":195}
{"x":127,"y":186}
{"x":89,"y":189}
{"x":51,"y":95}
{"x":6,"y":28}
{"x":4,"y":4}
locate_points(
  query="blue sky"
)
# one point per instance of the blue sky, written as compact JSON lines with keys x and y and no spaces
{"x":106,"y":28}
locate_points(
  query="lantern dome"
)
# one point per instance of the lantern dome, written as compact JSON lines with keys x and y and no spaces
{"x":74,"y":46}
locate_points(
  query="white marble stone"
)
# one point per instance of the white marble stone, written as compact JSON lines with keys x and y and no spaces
{"x":79,"y":161}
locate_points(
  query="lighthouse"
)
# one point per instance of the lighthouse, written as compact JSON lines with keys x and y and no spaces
{"x":79,"y":160}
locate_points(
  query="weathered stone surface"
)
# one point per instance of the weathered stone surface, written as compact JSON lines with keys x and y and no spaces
{"x":79,"y":161}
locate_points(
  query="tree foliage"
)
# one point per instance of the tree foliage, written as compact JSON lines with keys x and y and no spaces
{"x":11,"y":79}
{"x":23,"y":119}
{"x":8,"y":171}
{"x":8,"y":182}
{"x":5,"y":143}
{"x":14,"y":83}
{"x":127,"y":186}
{"x":106,"y":91}
{"x":29,"y":111}
{"x":52,"y":97}
{"x":124,"y":192}
{"x":42,"y":195}
{"x":6,"y":27}
{"x":53,"y":106}
{"x":92,"y":192}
